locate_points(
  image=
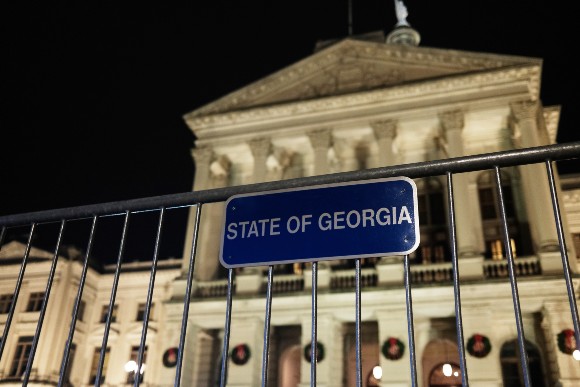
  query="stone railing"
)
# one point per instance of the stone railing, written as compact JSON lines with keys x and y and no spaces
{"x":207,"y":289}
{"x":524,"y":266}
{"x":285,"y":283}
{"x":433,"y":273}
{"x":345,"y":279}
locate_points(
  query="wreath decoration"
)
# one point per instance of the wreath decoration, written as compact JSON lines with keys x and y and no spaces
{"x":240,"y":354}
{"x":170,"y":357}
{"x":567,"y":341}
{"x":478,"y":346}
{"x":319,"y":352}
{"x":393,"y":348}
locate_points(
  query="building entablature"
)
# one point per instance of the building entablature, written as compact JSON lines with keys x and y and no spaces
{"x":420,"y":97}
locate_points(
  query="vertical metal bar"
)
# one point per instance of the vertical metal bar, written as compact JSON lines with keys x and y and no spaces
{"x":410,"y":325}
{"x":564,"y":253}
{"x":357,"y":328}
{"x":226,"y":344}
{"x":2,"y":234}
{"x":513,"y":282}
{"x":44,"y":306}
{"x":73,"y":323}
{"x":16,"y":290}
{"x":313,"y":340}
{"x":149,"y":298}
{"x":267,"y":328}
{"x":455,"y":262}
{"x":187,"y":297}
{"x":101,"y":364}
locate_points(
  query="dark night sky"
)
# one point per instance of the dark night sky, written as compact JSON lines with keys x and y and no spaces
{"x":93,"y":92}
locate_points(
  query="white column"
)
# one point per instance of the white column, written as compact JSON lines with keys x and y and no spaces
{"x":320,"y":140}
{"x":466,"y":219}
{"x":202,"y":157}
{"x":260,"y":148}
{"x":535,"y":181}
{"x":452,"y":123}
{"x":385,"y":132}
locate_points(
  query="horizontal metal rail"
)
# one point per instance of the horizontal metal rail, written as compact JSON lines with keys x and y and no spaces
{"x":413,"y":170}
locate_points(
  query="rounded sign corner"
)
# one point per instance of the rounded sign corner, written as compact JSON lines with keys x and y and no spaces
{"x":224,"y":263}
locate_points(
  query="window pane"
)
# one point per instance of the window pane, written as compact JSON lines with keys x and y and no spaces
{"x":5,"y":303}
{"x":35,"y":302}
{"x":95,"y":365}
{"x":20,"y":359}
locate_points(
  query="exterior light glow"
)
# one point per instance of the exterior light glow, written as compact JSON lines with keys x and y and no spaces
{"x":576,"y":355}
{"x":130,"y":366}
{"x":377,"y":372}
{"x":447,"y":370}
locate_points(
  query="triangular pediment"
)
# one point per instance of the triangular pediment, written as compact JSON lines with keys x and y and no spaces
{"x":351,"y":66}
{"x":16,"y":250}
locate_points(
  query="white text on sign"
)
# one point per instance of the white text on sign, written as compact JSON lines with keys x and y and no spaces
{"x":337,"y":220}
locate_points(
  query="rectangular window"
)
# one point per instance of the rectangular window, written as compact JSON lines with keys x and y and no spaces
{"x":5,"y":303}
{"x":105,"y":310}
{"x":21,"y":354}
{"x":133,"y":361}
{"x":35,"y":302}
{"x":95,"y":365}
{"x":141,"y":312}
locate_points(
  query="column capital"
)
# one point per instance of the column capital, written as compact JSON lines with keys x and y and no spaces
{"x":202,"y":154}
{"x":260,"y":147}
{"x":525,"y":110}
{"x":221,"y":166}
{"x":320,"y":138}
{"x":452,"y":119}
{"x":385,"y":128}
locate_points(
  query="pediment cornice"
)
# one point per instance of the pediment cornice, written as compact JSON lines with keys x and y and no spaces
{"x":352,"y":66}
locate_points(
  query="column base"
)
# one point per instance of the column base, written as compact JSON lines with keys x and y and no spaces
{"x":390,"y":271}
{"x":324,"y":276}
{"x":551,"y":262}
{"x":471,"y":268}
{"x":249,"y":281}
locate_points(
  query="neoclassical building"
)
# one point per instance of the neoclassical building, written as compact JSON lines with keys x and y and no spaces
{"x":360,"y":102}
{"x":370,"y":101}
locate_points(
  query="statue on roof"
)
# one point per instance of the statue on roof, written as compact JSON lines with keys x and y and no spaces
{"x":402,"y":13}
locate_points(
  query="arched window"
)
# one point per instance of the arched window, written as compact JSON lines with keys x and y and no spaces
{"x":434,"y":245}
{"x":491,"y":217}
{"x":511,"y":365}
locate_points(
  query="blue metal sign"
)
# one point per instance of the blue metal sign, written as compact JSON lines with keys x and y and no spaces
{"x":338,"y":221}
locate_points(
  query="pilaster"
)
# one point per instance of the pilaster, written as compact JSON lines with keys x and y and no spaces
{"x":246,"y":331}
{"x":207,"y":262}
{"x":202,"y":157}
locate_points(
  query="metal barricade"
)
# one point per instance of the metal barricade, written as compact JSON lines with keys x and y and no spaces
{"x":448,"y":168}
